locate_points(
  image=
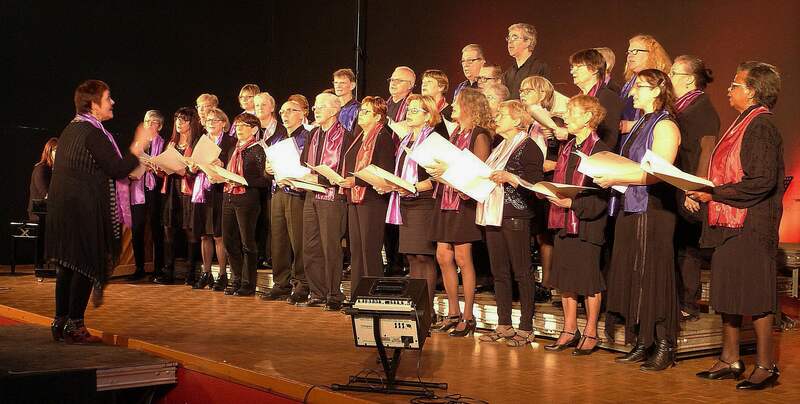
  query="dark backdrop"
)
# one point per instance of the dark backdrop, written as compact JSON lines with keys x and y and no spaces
{"x":163,"y":54}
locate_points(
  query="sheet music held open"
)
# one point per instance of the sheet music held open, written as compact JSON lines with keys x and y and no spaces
{"x":655,"y":165}
{"x":605,"y":163}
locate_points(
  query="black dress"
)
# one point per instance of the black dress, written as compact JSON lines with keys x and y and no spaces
{"x":179,"y":211}
{"x":641,"y":281}
{"x":576,"y":257}
{"x":212,"y":223}
{"x":40,"y":182}
{"x":743,"y":267}
{"x":82,"y":201}
{"x":458,"y":226}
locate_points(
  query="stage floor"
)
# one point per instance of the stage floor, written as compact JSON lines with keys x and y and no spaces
{"x":314,"y":347}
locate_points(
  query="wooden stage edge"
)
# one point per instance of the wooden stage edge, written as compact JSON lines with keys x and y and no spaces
{"x":271,"y":384}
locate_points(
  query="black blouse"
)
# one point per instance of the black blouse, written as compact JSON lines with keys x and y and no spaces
{"x":382,"y":156}
{"x":590,"y":207}
{"x":697,"y":121}
{"x":526,"y":163}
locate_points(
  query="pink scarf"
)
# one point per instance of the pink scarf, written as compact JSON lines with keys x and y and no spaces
{"x":122,"y":186}
{"x":363,"y":159}
{"x":686,"y":100}
{"x":490,"y":212}
{"x":408,"y":172}
{"x":726,"y":168}
{"x":556,"y":218}
{"x":236,"y":166}
{"x":331,"y":150}
{"x":450,"y":198}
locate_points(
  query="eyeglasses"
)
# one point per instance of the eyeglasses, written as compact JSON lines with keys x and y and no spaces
{"x":673,"y":74}
{"x":735,"y":84}
{"x":514,"y":38}
{"x":181,"y":119}
{"x":396,"y":81}
{"x":500,"y":116}
{"x":526,"y":91}
{"x":483,"y":79}
{"x":212,"y":120}
{"x":158,"y":121}
{"x":363,"y":111}
{"x":414,"y":111}
{"x":288,"y":110}
{"x":635,"y":52}
{"x":320,"y":107}
{"x":246,"y":97}
{"x":469,"y":61}
{"x":637,"y":85}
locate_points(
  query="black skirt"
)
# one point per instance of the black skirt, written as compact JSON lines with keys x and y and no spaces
{"x":455,"y":226}
{"x":212,"y":214}
{"x":641,"y":280}
{"x":415,"y":230}
{"x":576,"y":266}
{"x":743,"y":277}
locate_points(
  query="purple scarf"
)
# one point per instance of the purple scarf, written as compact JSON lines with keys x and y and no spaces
{"x":629,"y":113}
{"x":636,"y":195}
{"x":149,"y":179}
{"x":408,"y":172}
{"x":122,"y":187}
{"x":201,"y":182}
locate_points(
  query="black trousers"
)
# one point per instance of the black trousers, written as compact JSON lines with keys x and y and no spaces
{"x":286,"y":225}
{"x":72,"y":293}
{"x":365,"y":223}
{"x":509,"y":251}
{"x":324,"y":223}
{"x":391,"y":244}
{"x":150,"y":212}
{"x":239,"y":215}
{"x":263,"y":233}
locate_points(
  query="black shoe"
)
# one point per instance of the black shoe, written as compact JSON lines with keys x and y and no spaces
{"x":637,"y":354}
{"x":556,"y":347}
{"x":333,"y":306}
{"x":541,"y":294}
{"x":245,"y":291}
{"x":220,"y":284}
{"x":689,"y":316}
{"x":315,"y":302}
{"x":274,"y":294}
{"x":189,"y":280}
{"x":164,"y":279}
{"x":662,"y":357}
{"x":206,"y":279}
{"x":230,"y":290}
{"x":446,"y":324}
{"x":139,"y":274}
{"x":57,"y":328}
{"x":769,"y":381}
{"x":732,"y":371}
{"x":583,"y":352}
{"x":297,"y":298}
{"x":468,"y":330}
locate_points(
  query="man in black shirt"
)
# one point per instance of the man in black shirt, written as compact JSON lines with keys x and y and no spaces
{"x":471,"y":62}
{"x":521,"y":41}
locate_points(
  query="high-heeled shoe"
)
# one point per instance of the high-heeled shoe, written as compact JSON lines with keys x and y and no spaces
{"x":732,"y":371}
{"x":583,"y":352}
{"x":220,"y":284}
{"x":556,"y":347}
{"x":468,"y":330}
{"x":57,"y":328}
{"x":206,"y":279}
{"x":775,"y":373}
{"x":76,"y":333}
{"x":446,"y":324}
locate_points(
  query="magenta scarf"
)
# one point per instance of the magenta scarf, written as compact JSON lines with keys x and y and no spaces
{"x":451,"y":200}
{"x":686,"y":100}
{"x":408,"y":172}
{"x":149,"y":180}
{"x":557,"y":214}
{"x":331,"y":150}
{"x":122,"y":187}
{"x":201,"y":182}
